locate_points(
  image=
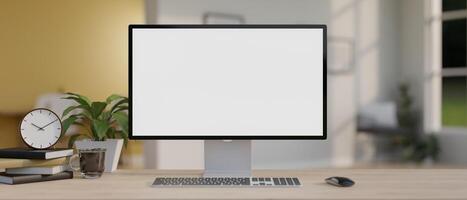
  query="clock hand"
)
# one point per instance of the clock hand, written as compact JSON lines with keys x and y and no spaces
{"x":39,"y":128}
{"x":49,"y":124}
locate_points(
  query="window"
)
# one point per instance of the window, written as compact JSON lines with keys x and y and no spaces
{"x":454,"y":61}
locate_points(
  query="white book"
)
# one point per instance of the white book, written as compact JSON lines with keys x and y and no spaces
{"x":38,"y":170}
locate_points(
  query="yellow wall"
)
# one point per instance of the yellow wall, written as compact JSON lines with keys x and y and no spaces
{"x":9,"y":135}
{"x":73,"y":45}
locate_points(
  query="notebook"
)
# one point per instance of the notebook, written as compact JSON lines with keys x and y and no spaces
{"x":25,"y":153}
{"x":13,"y":179}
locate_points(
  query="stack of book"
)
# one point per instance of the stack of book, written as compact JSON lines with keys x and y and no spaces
{"x":29,"y":165}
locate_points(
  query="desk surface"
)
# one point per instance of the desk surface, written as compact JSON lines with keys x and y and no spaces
{"x":370,"y":184}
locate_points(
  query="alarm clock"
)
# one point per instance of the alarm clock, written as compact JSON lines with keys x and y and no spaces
{"x":40,"y":128}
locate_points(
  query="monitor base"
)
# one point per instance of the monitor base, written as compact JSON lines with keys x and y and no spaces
{"x":227,"y":158}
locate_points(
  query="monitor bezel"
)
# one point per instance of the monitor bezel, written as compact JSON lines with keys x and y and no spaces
{"x":131,"y":27}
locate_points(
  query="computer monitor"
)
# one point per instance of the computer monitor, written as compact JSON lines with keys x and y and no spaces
{"x":227,"y":84}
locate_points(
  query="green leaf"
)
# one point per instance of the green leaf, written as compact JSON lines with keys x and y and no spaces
{"x":73,"y":138}
{"x":100,"y":128}
{"x":116,"y":105}
{"x":83,"y":116}
{"x":97,"y":108}
{"x":105,"y":115}
{"x":68,"y":122}
{"x":86,"y":114}
{"x":122,"y":120}
{"x":124,"y":136}
{"x":94,"y":132}
{"x":111,"y":133}
{"x":84,"y":104}
{"x":121,"y":108}
{"x":71,"y":108}
{"x":86,"y":99}
{"x":113,"y":97}
{"x":79,"y":101}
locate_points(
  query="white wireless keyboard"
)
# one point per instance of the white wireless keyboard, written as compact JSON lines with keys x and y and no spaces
{"x":226,"y":182}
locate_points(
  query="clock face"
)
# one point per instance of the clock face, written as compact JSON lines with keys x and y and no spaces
{"x":41,"y":128}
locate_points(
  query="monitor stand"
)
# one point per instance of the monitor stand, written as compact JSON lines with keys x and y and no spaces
{"x":227,"y":158}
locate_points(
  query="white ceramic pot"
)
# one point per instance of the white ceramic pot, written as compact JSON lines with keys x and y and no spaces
{"x":112,"y":154}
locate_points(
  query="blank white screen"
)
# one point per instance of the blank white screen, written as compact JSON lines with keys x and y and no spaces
{"x":227,"y":82}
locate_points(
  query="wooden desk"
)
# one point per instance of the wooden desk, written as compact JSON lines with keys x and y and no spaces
{"x":370,"y":184}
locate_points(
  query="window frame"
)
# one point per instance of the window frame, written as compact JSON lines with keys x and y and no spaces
{"x":434,"y":70}
{"x":449,"y":16}
{"x":454,"y":71}
{"x":432,"y":52}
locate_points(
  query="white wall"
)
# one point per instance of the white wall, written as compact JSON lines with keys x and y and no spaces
{"x":255,"y":11}
{"x":341,"y":88}
{"x":453,"y":147}
{"x":374,"y":28}
{"x":411,"y":48}
{"x":371,"y":24}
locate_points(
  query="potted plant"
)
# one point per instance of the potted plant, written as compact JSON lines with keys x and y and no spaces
{"x":417,"y":146}
{"x":104,"y":125}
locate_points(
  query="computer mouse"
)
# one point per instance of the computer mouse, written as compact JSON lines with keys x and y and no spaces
{"x":340,"y":181}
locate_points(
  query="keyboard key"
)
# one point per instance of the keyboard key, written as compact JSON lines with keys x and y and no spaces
{"x":289,"y":181}
{"x":276,"y":181}
{"x":296,"y":181}
{"x":158,"y":181}
{"x":282,"y":181}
